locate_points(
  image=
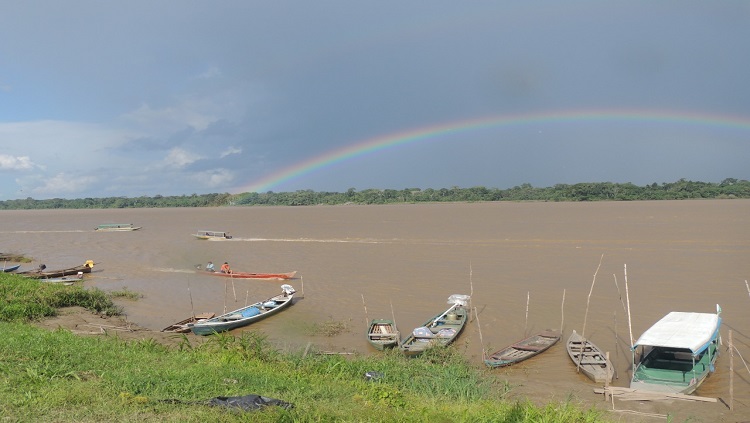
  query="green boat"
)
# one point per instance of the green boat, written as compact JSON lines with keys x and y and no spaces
{"x":382,"y":334}
{"x":440,"y":330}
{"x":677,"y":353}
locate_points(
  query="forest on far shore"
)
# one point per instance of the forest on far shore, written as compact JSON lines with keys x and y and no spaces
{"x":588,"y":191}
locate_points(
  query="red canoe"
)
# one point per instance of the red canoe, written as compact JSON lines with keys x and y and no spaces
{"x":247,"y":275}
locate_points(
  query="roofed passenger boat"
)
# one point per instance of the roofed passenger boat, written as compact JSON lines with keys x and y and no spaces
{"x":677,"y":353}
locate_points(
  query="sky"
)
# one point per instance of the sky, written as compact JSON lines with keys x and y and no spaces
{"x":180,"y":97}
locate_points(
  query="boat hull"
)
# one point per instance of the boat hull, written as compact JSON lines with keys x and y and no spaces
{"x":46,"y":274}
{"x":182,"y":325}
{"x":249,"y":275}
{"x":11,"y":268}
{"x":382,"y":334}
{"x":523,"y":349}
{"x":445,"y":328}
{"x":589,"y":359}
{"x":240,"y":317}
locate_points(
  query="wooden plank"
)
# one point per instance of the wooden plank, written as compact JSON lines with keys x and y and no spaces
{"x":649,"y":395}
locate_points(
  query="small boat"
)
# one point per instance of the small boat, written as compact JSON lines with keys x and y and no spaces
{"x":677,"y":353}
{"x":523,"y":349}
{"x":182,"y":325}
{"x":65,"y":280}
{"x":382,"y":334}
{"x":116,"y":227}
{"x":441,"y":330}
{"x":43,"y":273}
{"x":248,"y":275}
{"x":589,"y":359}
{"x":245,"y":315}
{"x":11,"y":268}
{"x":212,"y":235}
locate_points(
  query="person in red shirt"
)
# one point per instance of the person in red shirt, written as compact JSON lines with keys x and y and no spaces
{"x":225,"y":268}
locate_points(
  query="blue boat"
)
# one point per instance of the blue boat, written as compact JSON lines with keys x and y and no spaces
{"x":11,"y":268}
{"x":245,"y":315}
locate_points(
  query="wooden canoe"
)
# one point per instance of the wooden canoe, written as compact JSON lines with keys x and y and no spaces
{"x":245,"y":315}
{"x":440,"y":330}
{"x":11,"y":268}
{"x":182,"y":325}
{"x":523,"y":349}
{"x":249,"y":275}
{"x":382,"y":334}
{"x":589,"y":359}
{"x":46,"y":274}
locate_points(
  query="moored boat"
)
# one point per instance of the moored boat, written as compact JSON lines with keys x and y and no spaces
{"x":249,"y":275}
{"x":245,"y":315}
{"x":523,"y":349}
{"x":182,"y":325}
{"x":43,"y":273}
{"x":589,"y":359}
{"x":117,"y":227}
{"x":677,"y":353}
{"x":11,"y":268}
{"x":382,"y":334}
{"x":440,"y":330}
{"x":212,"y":235}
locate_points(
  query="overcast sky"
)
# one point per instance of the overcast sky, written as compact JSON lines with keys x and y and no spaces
{"x":135,"y":98}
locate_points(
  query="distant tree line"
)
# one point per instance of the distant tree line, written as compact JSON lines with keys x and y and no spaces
{"x":588,"y":191}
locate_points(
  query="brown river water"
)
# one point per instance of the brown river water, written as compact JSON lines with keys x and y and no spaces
{"x":528,"y":267}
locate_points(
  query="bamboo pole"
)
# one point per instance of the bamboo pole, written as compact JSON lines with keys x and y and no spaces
{"x":481,"y":340}
{"x":247,"y":295}
{"x":585,"y":316}
{"x":190,"y":294}
{"x":562,"y":313}
{"x":748,"y":287}
{"x":731,"y":373}
{"x":617,"y":347}
{"x":302,"y":281}
{"x":225,"y":296}
{"x":231,"y":276}
{"x":618,"y":292}
{"x":367,"y":319}
{"x":526,"y":325}
{"x":627,"y":298}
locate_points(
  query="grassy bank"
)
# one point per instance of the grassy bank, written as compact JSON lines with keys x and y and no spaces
{"x":60,"y":376}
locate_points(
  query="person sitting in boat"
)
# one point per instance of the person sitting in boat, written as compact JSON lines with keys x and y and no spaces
{"x":210,"y":267}
{"x":225,"y":268}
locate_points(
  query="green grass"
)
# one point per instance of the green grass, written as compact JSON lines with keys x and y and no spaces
{"x":58,"y":376}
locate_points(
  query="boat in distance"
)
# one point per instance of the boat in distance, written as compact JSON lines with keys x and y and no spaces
{"x":677,"y":353}
{"x":440,"y":330}
{"x":523,"y":349}
{"x":249,"y":275}
{"x":212,"y":235}
{"x":589,"y":359}
{"x":117,"y":227}
{"x":245,"y":315}
{"x":382,"y":334}
{"x":43,"y":273}
{"x":182,"y":325}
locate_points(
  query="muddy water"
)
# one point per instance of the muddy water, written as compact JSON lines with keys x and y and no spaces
{"x":528,"y":266}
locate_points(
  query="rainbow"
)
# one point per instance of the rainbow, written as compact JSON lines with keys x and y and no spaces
{"x":432,"y":132}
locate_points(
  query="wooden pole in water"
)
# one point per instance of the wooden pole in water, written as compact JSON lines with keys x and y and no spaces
{"x":526,"y":325}
{"x":225,"y":296}
{"x":302,"y":281}
{"x":481,"y":340}
{"x":748,"y":287}
{"x":731,"y":372}
{"x":562,"y":313}
{"x":585,"y":316}
{"x":630,"y":322}
{"x":367,"y":319}
{"x":190,"y":294}
{"x":616,"y":347}
{"x":618,"y":292}
{"x":233,"y":291}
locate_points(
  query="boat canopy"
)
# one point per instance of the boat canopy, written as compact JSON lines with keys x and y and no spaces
{"x":693,"y":331}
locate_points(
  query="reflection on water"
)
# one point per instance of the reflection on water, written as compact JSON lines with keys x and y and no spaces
{"x":517,"y":260}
